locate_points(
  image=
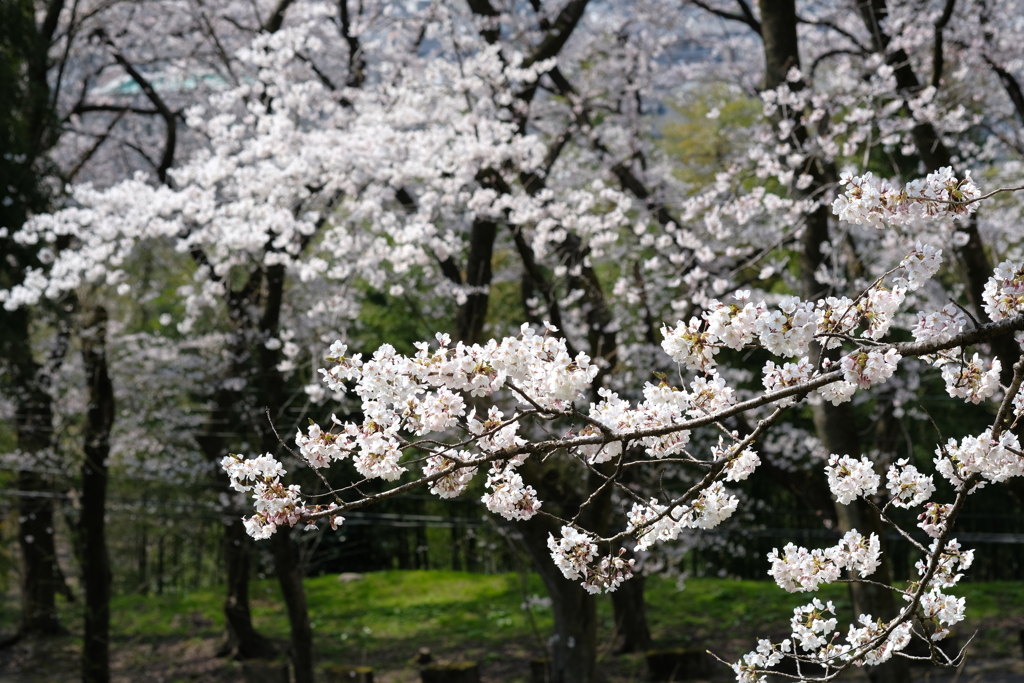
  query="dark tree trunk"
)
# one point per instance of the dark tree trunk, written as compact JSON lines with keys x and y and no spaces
{"x":573,"y":645}
{"x":160,"y":565}
{"x":469,"y":320}
{"x":92,"y":526}
{"x":40,"y":577}
{"x":781,"y":47}
{"x":142,"y":557}
{"x":289,"y":575}
{"x":631,"y":615}
{"x":271,"y":387}
{"x":31,"y":128}
{"x":243,"y":641}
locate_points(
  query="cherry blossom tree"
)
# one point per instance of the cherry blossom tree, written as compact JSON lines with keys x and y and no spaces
{"x":437,"y":153}
{"x":425,"y":397}
{"x":88,"y":80}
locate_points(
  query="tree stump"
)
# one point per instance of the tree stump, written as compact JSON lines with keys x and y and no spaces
{"x":338,"y":673}
{"x":264,"y":671}
{"x":456,"y":672}
{"x":540,"y":670}
{"x":676,"y":664}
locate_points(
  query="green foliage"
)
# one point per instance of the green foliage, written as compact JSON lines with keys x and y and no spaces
{"x":704,"y":144}
{"x":384,"y":618}
{"x":402,"y":320}
{"x":505,"y":307}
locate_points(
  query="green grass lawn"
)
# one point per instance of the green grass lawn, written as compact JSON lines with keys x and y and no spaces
{"x":385,"y":617}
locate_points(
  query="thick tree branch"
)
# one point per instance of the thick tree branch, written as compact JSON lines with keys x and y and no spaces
{"x":1010,"y":84}
{"x":834,"y":27}
{"x":491,"y":32}
{"x":746,"y":16}
{"x":169,"y":117}
{"x":276,"y":18}
{"x":562,"y":28}
{"x":356,"y":63}
{"x":937,"y":50}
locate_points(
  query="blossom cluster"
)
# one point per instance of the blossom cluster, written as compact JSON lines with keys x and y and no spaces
{"x":663,"y":407}
{"x":907,"y":486}
{"x":766,"y":656}
{"x":1004,"y":291}
{"x":575,"y":554}
{"x":814,"y":629}
{"x":423,"y":394}
{"x":798,"y":569}
{"x":654,"y":523}
{"x":457,"y":478}
{"x":788,"y":329}
{"x":276,"y":504}
{"x":509,"y":496}
{"x":934,"y":520}
{"x":875,"y":202}
{"x":866,"y":368}
{"x":970,"y":380}
{"x":941,"y":325}
{"x":993,"y":459}
{"x":919,"y":265}
{"x":940,"y":609}
{"x":849,"y":478}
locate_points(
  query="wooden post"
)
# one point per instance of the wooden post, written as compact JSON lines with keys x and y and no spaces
{"x":456,"y":672}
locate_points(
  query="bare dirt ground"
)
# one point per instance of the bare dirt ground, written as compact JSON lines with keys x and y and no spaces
{"x":193,"y":660}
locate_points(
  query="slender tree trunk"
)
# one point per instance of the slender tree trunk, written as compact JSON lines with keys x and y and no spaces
{"x":40,"y":576}
{"x":469,"y":320}
{"x":631,"y":615}
{"x":573,"y":645}
{"x":836,"y":425}
{"x":271,"y":387}
{"x":160,"y":565}
{"x":40,"y":579}
{"x":142,"y":557}
{"x":243,"y":641}
{"x":289,"y":575}
{"x":92,"y":526}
